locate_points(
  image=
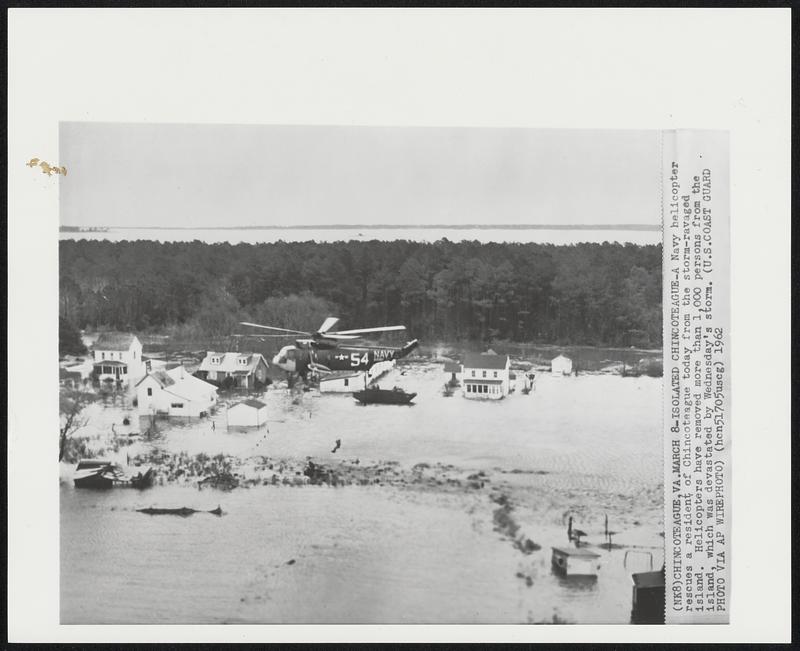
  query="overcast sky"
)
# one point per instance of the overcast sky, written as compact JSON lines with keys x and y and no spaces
{"x":241,"y":175}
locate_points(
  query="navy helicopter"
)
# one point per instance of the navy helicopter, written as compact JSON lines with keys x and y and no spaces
{"x":322,"y":352}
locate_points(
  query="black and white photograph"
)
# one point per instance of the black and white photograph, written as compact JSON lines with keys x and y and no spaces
{"x":398,"y":325}
{"x":360,"y":375}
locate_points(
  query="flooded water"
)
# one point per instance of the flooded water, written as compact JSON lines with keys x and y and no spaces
{"x":258,"y":235}
{"x":588,"y":445}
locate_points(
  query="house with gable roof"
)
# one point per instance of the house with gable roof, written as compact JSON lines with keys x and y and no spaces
{"x":118,"y":356}
{"x":486,"y":375}
{"x":247,"y":414}
{"x":175,"y":392}
{"x":241,"y":370}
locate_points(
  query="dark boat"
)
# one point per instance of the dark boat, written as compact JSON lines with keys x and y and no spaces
{"x":182,"y":511}
{"x":380,"y":396}
{"x":100,"y":473}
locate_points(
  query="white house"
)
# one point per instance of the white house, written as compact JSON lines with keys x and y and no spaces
{"x":248,"y":413}
{"x":175,"y":393}
{"x":342,"y":382}
{"x":561,"y":365}
{"x":248,"y":370}
{"x":485,"y":376}
{"x":118,"y":356}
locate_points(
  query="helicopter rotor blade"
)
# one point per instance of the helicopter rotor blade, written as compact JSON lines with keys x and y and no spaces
{"x":362,"y":330}
{"x":257,"y":325}
{"x":338,"y":335}
{"x":327,"y":325}
{"x":260,"y":336}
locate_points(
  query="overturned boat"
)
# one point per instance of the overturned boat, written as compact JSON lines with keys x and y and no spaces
{"x":376,"y":395}
{"x":182,"y":511}
{"x":101,"y":473}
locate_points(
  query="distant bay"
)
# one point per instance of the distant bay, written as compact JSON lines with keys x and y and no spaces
{"x":543,"y":234}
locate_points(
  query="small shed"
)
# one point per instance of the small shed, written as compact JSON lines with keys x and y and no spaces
{"x":561,"y":365}
{"x":648,"y":598}
{"x":249,"y":413}
{"x":575,"y":562}
{"x":342,"y":382}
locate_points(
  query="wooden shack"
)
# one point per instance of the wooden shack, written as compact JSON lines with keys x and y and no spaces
{"x":577,"y":561}
{"x":561,"y":365}
{"x":249,"y":413}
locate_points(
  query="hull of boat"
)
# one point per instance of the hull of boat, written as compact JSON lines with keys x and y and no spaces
{"x":383,"y":397}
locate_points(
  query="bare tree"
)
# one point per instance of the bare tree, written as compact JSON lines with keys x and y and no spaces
{"x":71,"y":405}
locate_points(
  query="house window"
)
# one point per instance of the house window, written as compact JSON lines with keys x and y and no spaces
{"x":124,"y":370}
{"x":102,"y":355}
{"x":134,"y":354}
{"x":469,"y":388}
{"x":176,"y":405}
{"x":347,"y":382}
{"x":473,"y":373}
{"x":242,"y":361}
{"x":215,"y":360}
{"x":484,"y":374}
{"x":149,"y":391}
{"x":495,"y":373}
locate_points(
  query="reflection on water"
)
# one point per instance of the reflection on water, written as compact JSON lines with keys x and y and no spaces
{"x":587,"y":445}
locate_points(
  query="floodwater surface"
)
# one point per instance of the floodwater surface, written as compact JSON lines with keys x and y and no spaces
{"x":588,"y":446}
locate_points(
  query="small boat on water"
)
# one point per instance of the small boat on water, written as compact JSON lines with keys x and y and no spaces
{"x":101,"y":473}
{"x":182,"y":511}
{"x":395,"y":396}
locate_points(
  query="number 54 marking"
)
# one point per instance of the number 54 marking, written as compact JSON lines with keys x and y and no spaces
{"x":355,"y":360}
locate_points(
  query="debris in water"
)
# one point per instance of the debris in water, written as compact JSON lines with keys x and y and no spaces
{"x":291,"y":562}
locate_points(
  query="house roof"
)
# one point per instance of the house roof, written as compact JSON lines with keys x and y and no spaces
{"x":475,"y":360}
{"x":110,"y":362}
{"x":229,"y":362}
{"x":192,"y":388}
{"x":114,"y":341}
{"x":160,"y":376}
{"x":562,"y":356}
{"x":255,"y":404}
{"x":182,"y":374}
{"x":180,"y":382}
{"x":577,"y":551}
{"x":339,"y":375}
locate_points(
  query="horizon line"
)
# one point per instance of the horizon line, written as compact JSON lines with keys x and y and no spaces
{"x":585,"y":227}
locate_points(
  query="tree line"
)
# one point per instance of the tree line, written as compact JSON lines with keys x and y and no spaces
{"x":581,"y":294}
